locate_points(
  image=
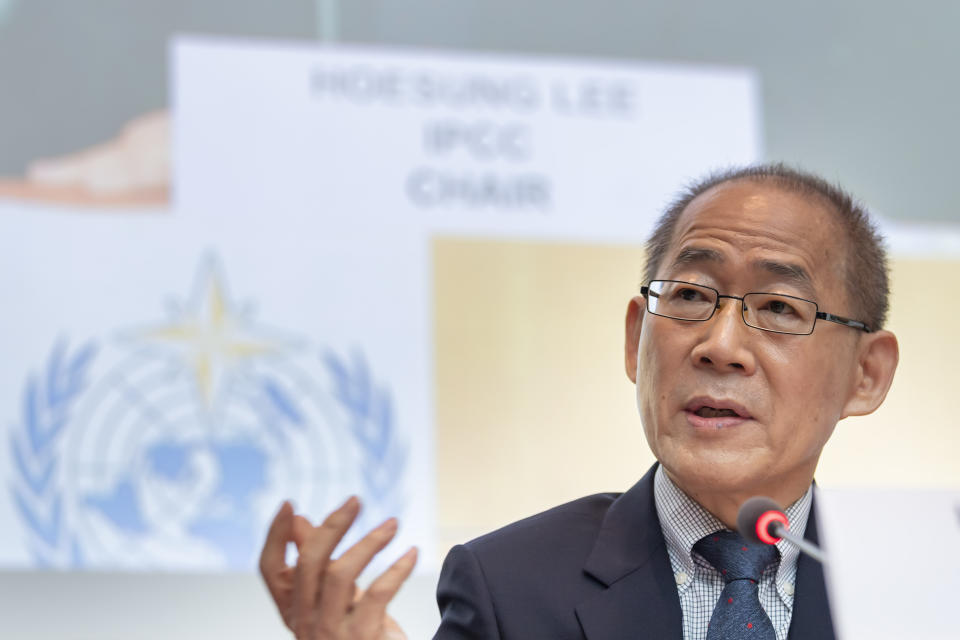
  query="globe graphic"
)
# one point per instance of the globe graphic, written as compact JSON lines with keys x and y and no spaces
{"x":163,"y":476}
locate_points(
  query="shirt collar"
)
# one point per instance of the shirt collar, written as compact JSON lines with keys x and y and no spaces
{"x":797,"y":515}
{"x":682,"y":519}
{"x":683,"y":522}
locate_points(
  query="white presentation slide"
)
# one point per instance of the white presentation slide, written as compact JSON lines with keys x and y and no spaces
{"x":171,"y":374}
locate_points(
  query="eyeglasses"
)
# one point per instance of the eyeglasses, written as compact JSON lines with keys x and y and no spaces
{"x":774,"y":312}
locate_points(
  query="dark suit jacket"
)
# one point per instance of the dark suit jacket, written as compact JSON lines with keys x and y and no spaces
{"x":595,"y":569}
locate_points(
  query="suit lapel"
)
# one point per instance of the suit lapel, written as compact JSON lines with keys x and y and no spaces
{"x":630,"y":559}
{"x":811,"y":617}
{"x":640,"y":600}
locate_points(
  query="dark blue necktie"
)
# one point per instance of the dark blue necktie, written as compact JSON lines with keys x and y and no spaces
{"x":738,"y":613}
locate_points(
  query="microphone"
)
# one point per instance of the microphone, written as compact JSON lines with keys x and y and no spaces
{"x":760,"y":519}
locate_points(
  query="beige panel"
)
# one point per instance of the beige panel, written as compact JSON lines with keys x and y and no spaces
{"x":533,"y":407}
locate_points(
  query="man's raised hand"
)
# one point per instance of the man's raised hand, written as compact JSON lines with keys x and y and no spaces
{"x":318,"y":598}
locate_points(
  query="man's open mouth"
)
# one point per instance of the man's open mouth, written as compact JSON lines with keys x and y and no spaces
{"x":709,"y":408}
{"x":710,"y":412}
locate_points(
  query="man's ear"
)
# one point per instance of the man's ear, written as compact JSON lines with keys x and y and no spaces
{"x":631,"y":342}
{"x":878,"y":354}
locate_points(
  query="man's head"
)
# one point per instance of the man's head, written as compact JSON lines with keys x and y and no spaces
{"x":730,"y":410}
{"x":865,"y":260}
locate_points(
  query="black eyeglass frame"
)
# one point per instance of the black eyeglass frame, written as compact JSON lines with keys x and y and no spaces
{"x":819,"y":315}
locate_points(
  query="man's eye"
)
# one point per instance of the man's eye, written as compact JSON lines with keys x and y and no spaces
{"x":689,"y":295}
{"x":779,"y":307}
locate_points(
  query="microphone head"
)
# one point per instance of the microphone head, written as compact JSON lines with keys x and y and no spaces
{"x":755,"y":518}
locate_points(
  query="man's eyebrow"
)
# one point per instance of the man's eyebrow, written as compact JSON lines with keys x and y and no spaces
{"x":692,"y":255}
{"x":793,"y":273}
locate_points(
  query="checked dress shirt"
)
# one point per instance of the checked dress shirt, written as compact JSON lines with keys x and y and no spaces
{"x":699,"y":584}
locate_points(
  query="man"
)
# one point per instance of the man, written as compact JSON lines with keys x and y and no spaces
{"x":759,"y":327}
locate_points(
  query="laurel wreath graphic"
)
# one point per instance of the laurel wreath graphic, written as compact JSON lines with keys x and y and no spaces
{"x":374,"y":429}
{"x":47,"y":401}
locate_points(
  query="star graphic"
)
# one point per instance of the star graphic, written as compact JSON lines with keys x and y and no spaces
{"x":209,"y":337}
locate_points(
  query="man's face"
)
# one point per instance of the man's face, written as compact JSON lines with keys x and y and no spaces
{"x":788,"y":391}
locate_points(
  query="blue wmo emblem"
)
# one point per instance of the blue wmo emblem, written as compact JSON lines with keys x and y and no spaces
{"x":171,"y":445}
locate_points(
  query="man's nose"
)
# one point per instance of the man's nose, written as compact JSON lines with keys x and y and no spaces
{"x":725,"y":342}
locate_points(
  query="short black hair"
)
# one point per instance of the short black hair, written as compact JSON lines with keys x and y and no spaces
{"x":868,"y":283}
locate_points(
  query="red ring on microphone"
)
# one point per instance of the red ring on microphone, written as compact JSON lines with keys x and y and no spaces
{"x":764,"y":522}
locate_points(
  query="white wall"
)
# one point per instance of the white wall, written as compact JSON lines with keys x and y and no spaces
{"x":104,"y":606}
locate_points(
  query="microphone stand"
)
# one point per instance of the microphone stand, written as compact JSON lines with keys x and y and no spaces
{"x":780,"y":531}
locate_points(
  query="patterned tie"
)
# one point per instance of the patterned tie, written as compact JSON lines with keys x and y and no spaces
{"x":738,"y":613}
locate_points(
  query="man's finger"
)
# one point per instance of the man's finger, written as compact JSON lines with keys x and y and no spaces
{"x":273,"y":555}
{"x":273,"y":566}
{"x":371,"y":610}
{"x":314,"y":558}
{"x":343,"y":573}
{"x":301,"y":530}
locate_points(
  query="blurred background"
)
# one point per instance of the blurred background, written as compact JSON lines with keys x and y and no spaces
{"x":859,"y":92}
{"x":517,"y":333}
